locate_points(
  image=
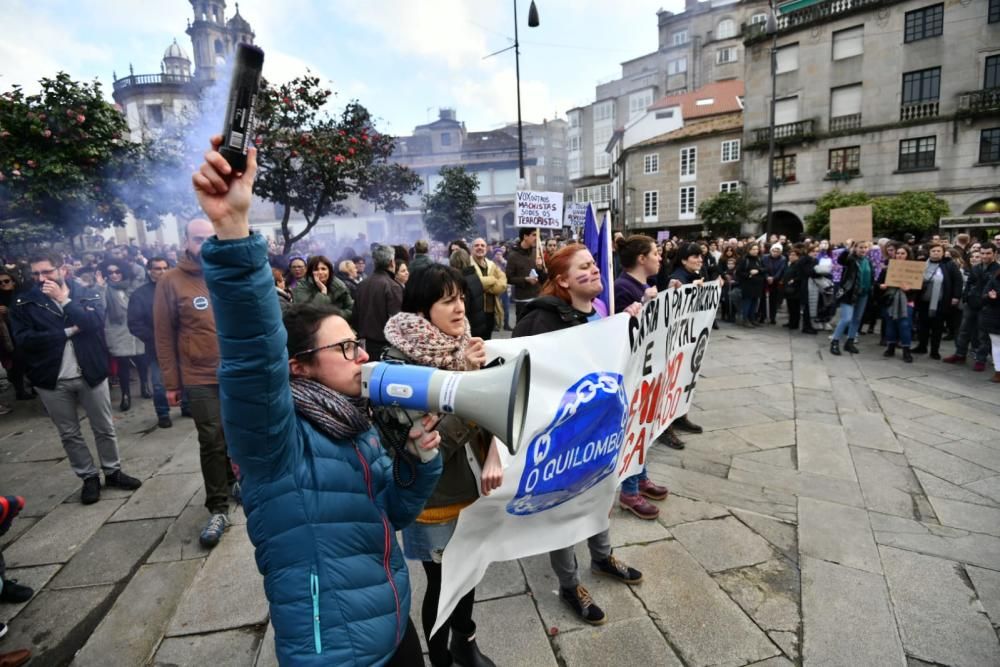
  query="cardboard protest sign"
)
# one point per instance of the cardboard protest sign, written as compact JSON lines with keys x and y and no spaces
{"x":542,"y":210}
{"x":851,"y":222}
{"x":902,"y":273}
{"x":576,"y":215}
{"x":601,"y":393}
{"x":663,"y":236}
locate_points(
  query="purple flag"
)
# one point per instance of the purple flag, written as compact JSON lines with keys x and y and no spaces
{"x":603,"y":257}
{"x":591,"y":238}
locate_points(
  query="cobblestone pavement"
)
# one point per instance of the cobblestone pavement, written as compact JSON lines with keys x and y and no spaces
{"x":836,"y":511}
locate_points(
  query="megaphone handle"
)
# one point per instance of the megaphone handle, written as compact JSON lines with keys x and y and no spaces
{"x":425,"y":455}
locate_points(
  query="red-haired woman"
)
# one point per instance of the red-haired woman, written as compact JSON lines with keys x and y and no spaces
{"x":566,"y":300}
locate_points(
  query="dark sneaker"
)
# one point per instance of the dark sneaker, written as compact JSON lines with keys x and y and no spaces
{"x":213,"y":530}
{"x":91,"y":492}
{"x":579,"y":600}
{"x":954,"y":359}
{"x":120,"y":480}
{"x":164,"y":422}
{"x":14,"y":592}
{"x":687,"y":425}
{"x":236,"y":491}
{"x":978,"y":367}
{"x":614,"y":568}
{"x":638,"y":506}
{"x":652,"y":490}
{"x":670,"y":439}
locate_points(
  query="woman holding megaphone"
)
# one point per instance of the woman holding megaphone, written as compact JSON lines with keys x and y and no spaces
{"x":432,"y":330}
{"x":318,"y":490}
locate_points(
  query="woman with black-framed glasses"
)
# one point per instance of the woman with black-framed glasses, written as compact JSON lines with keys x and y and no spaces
{"x":124,"y":347}
{"x":321,"y":500}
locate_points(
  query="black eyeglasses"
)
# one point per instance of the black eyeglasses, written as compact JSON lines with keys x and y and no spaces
{"x":349,"y":348}
{"x":6,"y":281}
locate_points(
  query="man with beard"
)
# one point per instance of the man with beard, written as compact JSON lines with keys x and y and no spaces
{"x":494,"y":283}
{"x":188,"y":352}
{"x":59,"y":326}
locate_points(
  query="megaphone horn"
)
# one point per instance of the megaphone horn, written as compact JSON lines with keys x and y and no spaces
{"x":495,"y":398}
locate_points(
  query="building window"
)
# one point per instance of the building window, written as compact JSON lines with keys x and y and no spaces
{"x":651,"y":163}
{"x":845,"y":160}
{"x":601,"y":161}
{"x":731,"y":151}
{"x":540,"y":179}
{"x":688,"y":201}
{"x":602,"y":136}
{"x":580,"y":195}
{"x":994,"y":14}
{"x":922,"y":86}
{"x":849,"y":43}
{"x":573,"y":167}
{"x":726,"y":55}
{"x":558,"y":163}
{"x":725,"y":29}
{"x":678,"y":66}
{"x":660,"y":115}
{"x":650,"y":205}
{"x":689,"y":163}
{"x":604,"y":111}
{"x":574,"y":144}
{"x":991,"y":73}
{"x":446,"y":138}
{"x":917,"y":153}
{"x":784,"y":169}
{"x":154,"y":112}
{"x":787,"y":59}
{"x":574,"y":119}
{"x":924,"y":23}
{"x":845,"y":107}
{"x":638,"y":103}
{"x":680,"y":37}
{"x":758,"y":18}
{"x":729,"y":186}
{"x":786,"y":110}
{"x":989,"y":145}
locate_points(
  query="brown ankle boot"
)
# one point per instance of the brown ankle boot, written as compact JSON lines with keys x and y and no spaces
{"x":996,"y":377}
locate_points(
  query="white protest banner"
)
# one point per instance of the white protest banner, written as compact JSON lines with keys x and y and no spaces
{"x":600,"y":395}
{"x":542,"y":210}
{"x":576,"y":215}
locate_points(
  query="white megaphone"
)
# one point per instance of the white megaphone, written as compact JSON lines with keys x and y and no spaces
{"x":495,"y":398}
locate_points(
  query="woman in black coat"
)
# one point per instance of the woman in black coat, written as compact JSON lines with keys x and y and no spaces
{"x":750,"y":276}
{"x":989,"y":320}
{"x":941,"y":293}
{"x":479,"y":323}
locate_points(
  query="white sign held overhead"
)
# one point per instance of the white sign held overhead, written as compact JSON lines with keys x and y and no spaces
{"x":576,"y":215}
{"x":542,"y":210}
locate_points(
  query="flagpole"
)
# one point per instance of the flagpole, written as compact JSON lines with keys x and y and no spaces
{"x":609,"y":263}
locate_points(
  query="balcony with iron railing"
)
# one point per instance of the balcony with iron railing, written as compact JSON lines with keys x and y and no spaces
{"x":848,"y":122}
{"x":919,"y":110}
{"x":985,"y":102}
{"x":150,"y":80}
{"x":785,"y":134}
{"x":796,"y":14}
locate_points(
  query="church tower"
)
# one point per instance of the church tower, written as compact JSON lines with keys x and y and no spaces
{"x":210,"y":38}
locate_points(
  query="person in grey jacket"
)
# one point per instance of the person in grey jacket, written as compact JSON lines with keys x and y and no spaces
{"x":322,"y":287}
{"x":124,"y":347}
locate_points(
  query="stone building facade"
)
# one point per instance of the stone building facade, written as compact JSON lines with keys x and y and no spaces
{"x":880,"y":96}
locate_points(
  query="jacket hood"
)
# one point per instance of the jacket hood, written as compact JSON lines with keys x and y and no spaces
{"x":552,"y":304}
{"x":189,"y":264}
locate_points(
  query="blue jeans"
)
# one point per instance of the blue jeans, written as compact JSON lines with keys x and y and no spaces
{"x":850,"y":318}
{"x":898,"y":331}
{"x":630,"y":485}
{"x":748,"y":308}
{"x":159,"y":391}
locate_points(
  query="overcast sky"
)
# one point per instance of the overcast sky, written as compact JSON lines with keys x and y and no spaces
{"x":401,"y":58}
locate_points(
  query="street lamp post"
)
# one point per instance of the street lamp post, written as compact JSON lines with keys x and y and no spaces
{"x":532,"y":23}
{"x":772,"y":30}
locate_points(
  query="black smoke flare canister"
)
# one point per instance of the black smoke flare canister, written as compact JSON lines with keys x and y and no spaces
{"x":239,"y":128}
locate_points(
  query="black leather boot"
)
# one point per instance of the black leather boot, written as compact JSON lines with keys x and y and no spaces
{"x":890,"y":350}
{"x":835,"y":347}
{"x":907,"y":357}
{"x":465,"y":652}
{"x":850,"y":347}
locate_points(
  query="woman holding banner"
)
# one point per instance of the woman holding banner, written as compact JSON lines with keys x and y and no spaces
{"x":855,"y":288}
{"x":432,"y":330}
{"x":897,"y":311}
{"x":567,"y":300}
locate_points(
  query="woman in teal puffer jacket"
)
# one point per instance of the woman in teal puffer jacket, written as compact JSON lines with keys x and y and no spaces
{"x":321,"y":502}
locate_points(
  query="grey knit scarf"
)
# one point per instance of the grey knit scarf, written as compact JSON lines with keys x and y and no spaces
{"x":338,"y":416}
{"x":933,"y":280}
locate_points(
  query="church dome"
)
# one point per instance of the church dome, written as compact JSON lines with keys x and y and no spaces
{"x":237,"y":23}
{"x":175,"y":51}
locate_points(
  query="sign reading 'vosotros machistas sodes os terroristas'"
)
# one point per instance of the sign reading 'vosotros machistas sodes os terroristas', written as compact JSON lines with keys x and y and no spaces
{"x":600,"y":395}
{"x":543,"y":210}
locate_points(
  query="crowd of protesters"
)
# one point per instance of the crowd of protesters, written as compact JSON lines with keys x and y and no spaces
{"x":71,"y":327}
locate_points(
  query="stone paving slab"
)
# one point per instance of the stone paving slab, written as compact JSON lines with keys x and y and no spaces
{"x":838,"y":534}
{"x":853,"y":395}
{"x":958,"y":427}
{"x":989,"y":487}
{"x":961,"y":408}
{"x":212,"y":602}
{"x":847,"y":617}
{"x":56,"y":622}
{"x":132,"y":629}
{"x":679,"y":509}
{"x":628,"y":529}
{"x":987,"y":585}
{"x":267,"y":657}
{"x":701,"y":622}
{"x":60,"y":534}
{"x":33,"y":577}
{"x":942,"y":464}
{"x":724,"y":418}
{"x":500,"y":621}
{"x":967,"y":516}
{"x":975,"y":452}
{"x":943,"y":541}
{"x":729,"y":493}
{"x":780,"y":534}
{"x":112,"y":554}
{"x":625,"y":643}
{"x":935,"y":486}
{"x":160,"y":497}
{"x":937,"y":619}
{"x":810,"y":375}
{"x":181,"y":539}
{"x":783,"y":457}
{"x":233,"y":647}
{"x":768,"y":436}
{"x":19,"y":526}
{"x":908,"y":428}
{"x":502,"y":579}
{"x":961,"y":385}
{"x":889,"y":484}
{"x":797,"y":482}
{"x":768,"y":592}
{"x":822,"y":450}
{"x":44,"y":485}
{"x":869,"y":430}
{"x":722,"y":544}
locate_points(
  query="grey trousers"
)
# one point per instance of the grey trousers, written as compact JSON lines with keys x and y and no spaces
{"x":61,"y":404}
{"x":564,"y":560}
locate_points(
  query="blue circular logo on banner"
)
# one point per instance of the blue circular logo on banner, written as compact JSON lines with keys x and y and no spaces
{"x":578,"y":449}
